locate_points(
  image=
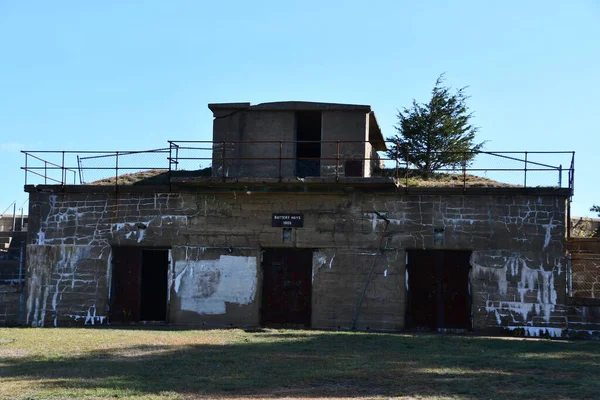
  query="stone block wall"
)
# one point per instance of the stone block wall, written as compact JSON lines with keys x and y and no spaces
{"x":349,"y":127}
{"x":10,"y":297}
{"x":246,"y":157}
{"x":262,"y":159}
{"x":517,"y":242}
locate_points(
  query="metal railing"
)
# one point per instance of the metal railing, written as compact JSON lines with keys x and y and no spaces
{"x":90,"y":167}
{"x":281,"y":159}
{"x":583,"y":278}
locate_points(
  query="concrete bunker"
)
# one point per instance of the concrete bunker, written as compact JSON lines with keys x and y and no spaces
{"x":252,"y":242}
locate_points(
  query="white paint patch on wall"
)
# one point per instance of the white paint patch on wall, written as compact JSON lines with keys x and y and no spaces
{"x":205,"y":286}
{"x":530,"y":280}
{"x":537,"y":331}
{"x":56,"y":272}
{"x":319,"y":260}
{"x":548,"y":234}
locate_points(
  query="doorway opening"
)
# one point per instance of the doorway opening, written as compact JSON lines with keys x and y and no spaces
{"x":308,"y":146}
{"x":438,"y":290}
{"x":287,"y":287}
{"x":139,"y":284}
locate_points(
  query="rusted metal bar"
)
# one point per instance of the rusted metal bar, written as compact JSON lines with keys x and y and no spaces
{"x":500,"y":155}
{"x":14,"y":223}
{"x":337,"y":162}
{"x":26,"y":156}
{"x":223,"y":161}
{"x":170,"y":162}
{"x":80,"y":169}
{"x":464,"y":170}
{"x":280,"y":155}
{"x":525,"y":178}
{"x":63,"y":174}
{"x":117,"y":171}
{"x":560,"y":175}
{"x":43,"y":176}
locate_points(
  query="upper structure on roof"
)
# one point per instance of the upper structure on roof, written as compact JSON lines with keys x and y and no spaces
{"x":295,"y":138}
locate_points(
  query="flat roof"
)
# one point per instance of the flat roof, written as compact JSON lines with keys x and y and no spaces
{"x":291,"y":106}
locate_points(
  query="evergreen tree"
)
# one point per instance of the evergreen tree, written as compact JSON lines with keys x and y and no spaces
{"x":436,"y":134}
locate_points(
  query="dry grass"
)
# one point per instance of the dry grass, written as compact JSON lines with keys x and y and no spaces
{"x":163,"y":364}
{"x":161,"y":177}
{"x":132,"y":178}
{"x":150,"y":177}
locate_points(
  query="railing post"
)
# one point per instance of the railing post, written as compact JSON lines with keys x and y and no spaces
{"x":337,"y":162}
{"x":464,"y":168}
{"x":26,"y":168}
{"x":117,"y":171}
{"x":280,"y":154}
{"x":525,"y":178}
{"x":79,"y":169}
{"x":560,"y":175}
{"x":14,"y":222}
{"x":170,"y":162}
{"x":45,"y":172}
{"x":572,"y":180}
{"x":63,"y":177}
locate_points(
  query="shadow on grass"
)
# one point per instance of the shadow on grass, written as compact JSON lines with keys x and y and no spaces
{"x":328,"y":365}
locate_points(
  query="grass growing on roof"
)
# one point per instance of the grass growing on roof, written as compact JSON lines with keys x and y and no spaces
{"x":188,"y":364}
{"x":415,"y":178}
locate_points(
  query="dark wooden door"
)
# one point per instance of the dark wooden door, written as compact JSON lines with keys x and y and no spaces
{"x":286,"y":294}
{"x":126,"y":284}
{"x":454,"y":281}
{"x":438,"y":289}
{"x":422,"y":290}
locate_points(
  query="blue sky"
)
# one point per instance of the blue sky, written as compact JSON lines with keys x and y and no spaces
{"x":125,"y":75}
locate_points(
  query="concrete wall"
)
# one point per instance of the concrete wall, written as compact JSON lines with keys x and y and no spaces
{"x":343,"y":126}
{"x":275,"y":126}
{"x":10,"y":296}
{"x":518,"y":244}
{"x":584,"y":313}
{"x":263,"y":126}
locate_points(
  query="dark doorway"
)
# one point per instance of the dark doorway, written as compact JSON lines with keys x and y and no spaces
{"x":308,"y":146}
{"x":438,"y":289}
{"x":155,"y":269}
{"x":286,"y":294}
{"x":139,"y":284}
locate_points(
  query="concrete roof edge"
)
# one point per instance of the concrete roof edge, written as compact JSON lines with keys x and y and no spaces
{"x":308,"y":106}
{"x":227,"y":106}
{"x":368,"y":184}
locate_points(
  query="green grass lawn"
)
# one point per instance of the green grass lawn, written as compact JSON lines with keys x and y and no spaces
{"x":188,"y":364}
